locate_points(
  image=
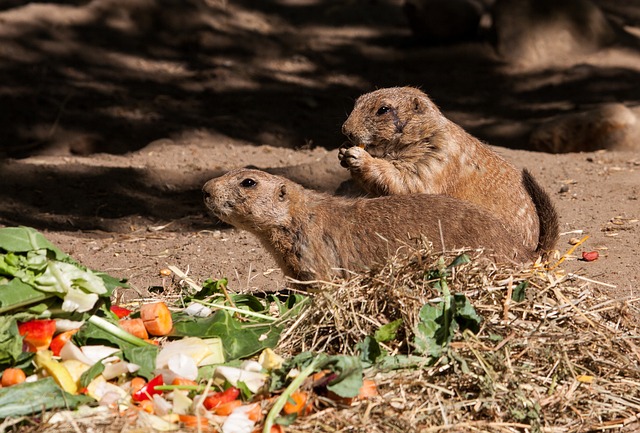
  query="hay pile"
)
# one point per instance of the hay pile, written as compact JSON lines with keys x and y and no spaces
{"x":563,"y":360}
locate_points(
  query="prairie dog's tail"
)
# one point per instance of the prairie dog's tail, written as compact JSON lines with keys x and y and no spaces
{"x":547,"y":215}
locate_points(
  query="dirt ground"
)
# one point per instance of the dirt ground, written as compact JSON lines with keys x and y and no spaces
{"x":115,"y":113}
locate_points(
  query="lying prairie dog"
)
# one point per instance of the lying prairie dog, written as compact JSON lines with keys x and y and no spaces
{"x":315,"y":236}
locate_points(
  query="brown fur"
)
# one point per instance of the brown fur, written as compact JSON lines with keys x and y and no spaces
{"x":403,"y":144}
{"x":314,"y":236}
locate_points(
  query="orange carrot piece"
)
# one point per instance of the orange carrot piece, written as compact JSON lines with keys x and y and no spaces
{"x":296,"y":403}
{"x":13,"y":376}
{"x":199,"y":423}
{"x":368,"y":389}
{"x":225,"y":409}
{"x":137,"y":383}
{"x":255,"y":412}
{"x":182,"y":381}
{"x":134,"y":327}
{"x":156,"y":318}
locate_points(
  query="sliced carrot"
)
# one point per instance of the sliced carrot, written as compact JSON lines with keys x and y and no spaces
{"x":13,"y":376}
{"x":254,"y":413}
{"x":178,"y":381}
{"x":225,"y":409}
{"x":134,"y":327}
{"x":137,"y":383}
{"x":196,"y":422}
{"x":156,"y":318}
{"x":296,"y":403}
{"x":60,"y":340}
{"x":368,"y":389}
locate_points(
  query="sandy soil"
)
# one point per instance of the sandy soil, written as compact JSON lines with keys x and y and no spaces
{"x":116,"y":112}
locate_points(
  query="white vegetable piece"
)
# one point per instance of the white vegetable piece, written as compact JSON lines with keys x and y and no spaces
{"x":253,"y":380}
{"x":238,"y":421}
{"x":193,"y":347}
{"x":183,"y":366}
{"x":99,"y":353}
{"x":181,"y":402}
{"x":197,"y":310}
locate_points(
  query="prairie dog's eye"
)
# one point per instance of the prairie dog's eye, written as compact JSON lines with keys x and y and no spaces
{"x":382,"y":110}
{"x":248,"y":183}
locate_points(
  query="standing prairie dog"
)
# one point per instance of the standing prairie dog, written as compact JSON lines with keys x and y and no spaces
{"x":315,"y":236}
{"x":401,"y":143}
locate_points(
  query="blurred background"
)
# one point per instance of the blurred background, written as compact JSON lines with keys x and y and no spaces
{"x":81,"y":77}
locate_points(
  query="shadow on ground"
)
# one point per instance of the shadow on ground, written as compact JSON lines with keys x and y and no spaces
{"x":110,"y":76}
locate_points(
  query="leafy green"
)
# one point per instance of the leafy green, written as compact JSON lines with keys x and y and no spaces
{"x":291,"y":305}
{"x":239,"y":339}
{"x":397,"y":362}
{"x":10,"y":341}
{"x":34,"y":397}
{"x":370,"y":351}
{"x":388,"y":332}
{"x":24,"y":239}
{"x":145,"y":357}
{"x":439,"y":323}
{"x":94,"y":371}
{"x":519,"y":292}
{"x":16,"y":294}
{"x":245,"y":336}
{"x":29,"y":262}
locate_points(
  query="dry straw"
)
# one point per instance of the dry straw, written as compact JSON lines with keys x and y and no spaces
{"x":563,"y":360}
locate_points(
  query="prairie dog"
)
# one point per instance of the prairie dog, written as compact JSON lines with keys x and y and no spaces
{"x":315,"y":236}
{"x":400,"y":143}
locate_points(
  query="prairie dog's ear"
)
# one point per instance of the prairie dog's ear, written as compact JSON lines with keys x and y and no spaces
{"x":282,"y":194}
{"x":418,"y":105}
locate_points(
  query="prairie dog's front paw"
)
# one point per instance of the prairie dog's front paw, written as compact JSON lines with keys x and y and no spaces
{"x":352,"y":157}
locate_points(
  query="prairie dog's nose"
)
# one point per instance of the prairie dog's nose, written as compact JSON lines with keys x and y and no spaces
{"x":207,"y":190}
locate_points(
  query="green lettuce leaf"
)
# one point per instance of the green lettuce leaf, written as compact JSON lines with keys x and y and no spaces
{"x":10,"y":341}
{"x":239,"y":339}
{"x":35,"y":397}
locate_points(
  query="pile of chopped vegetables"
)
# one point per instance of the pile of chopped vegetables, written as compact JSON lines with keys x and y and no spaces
{"x":206,"y":363}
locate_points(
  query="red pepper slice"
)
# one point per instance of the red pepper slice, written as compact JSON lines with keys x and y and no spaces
{"x":148,"y":390}
{"x":217,"y":398}
{"x":590,"y":256}
{"x":37,"y":334}
{"x":60,"y":340}
{"x":120,"y":311}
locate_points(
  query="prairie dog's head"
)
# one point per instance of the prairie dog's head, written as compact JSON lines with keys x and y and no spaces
{"x":391,"y":118}
{"x":249,"y":199}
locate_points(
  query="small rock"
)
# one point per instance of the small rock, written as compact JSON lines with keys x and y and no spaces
{"x":564,"y":189}
{"x":574,"y":241}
